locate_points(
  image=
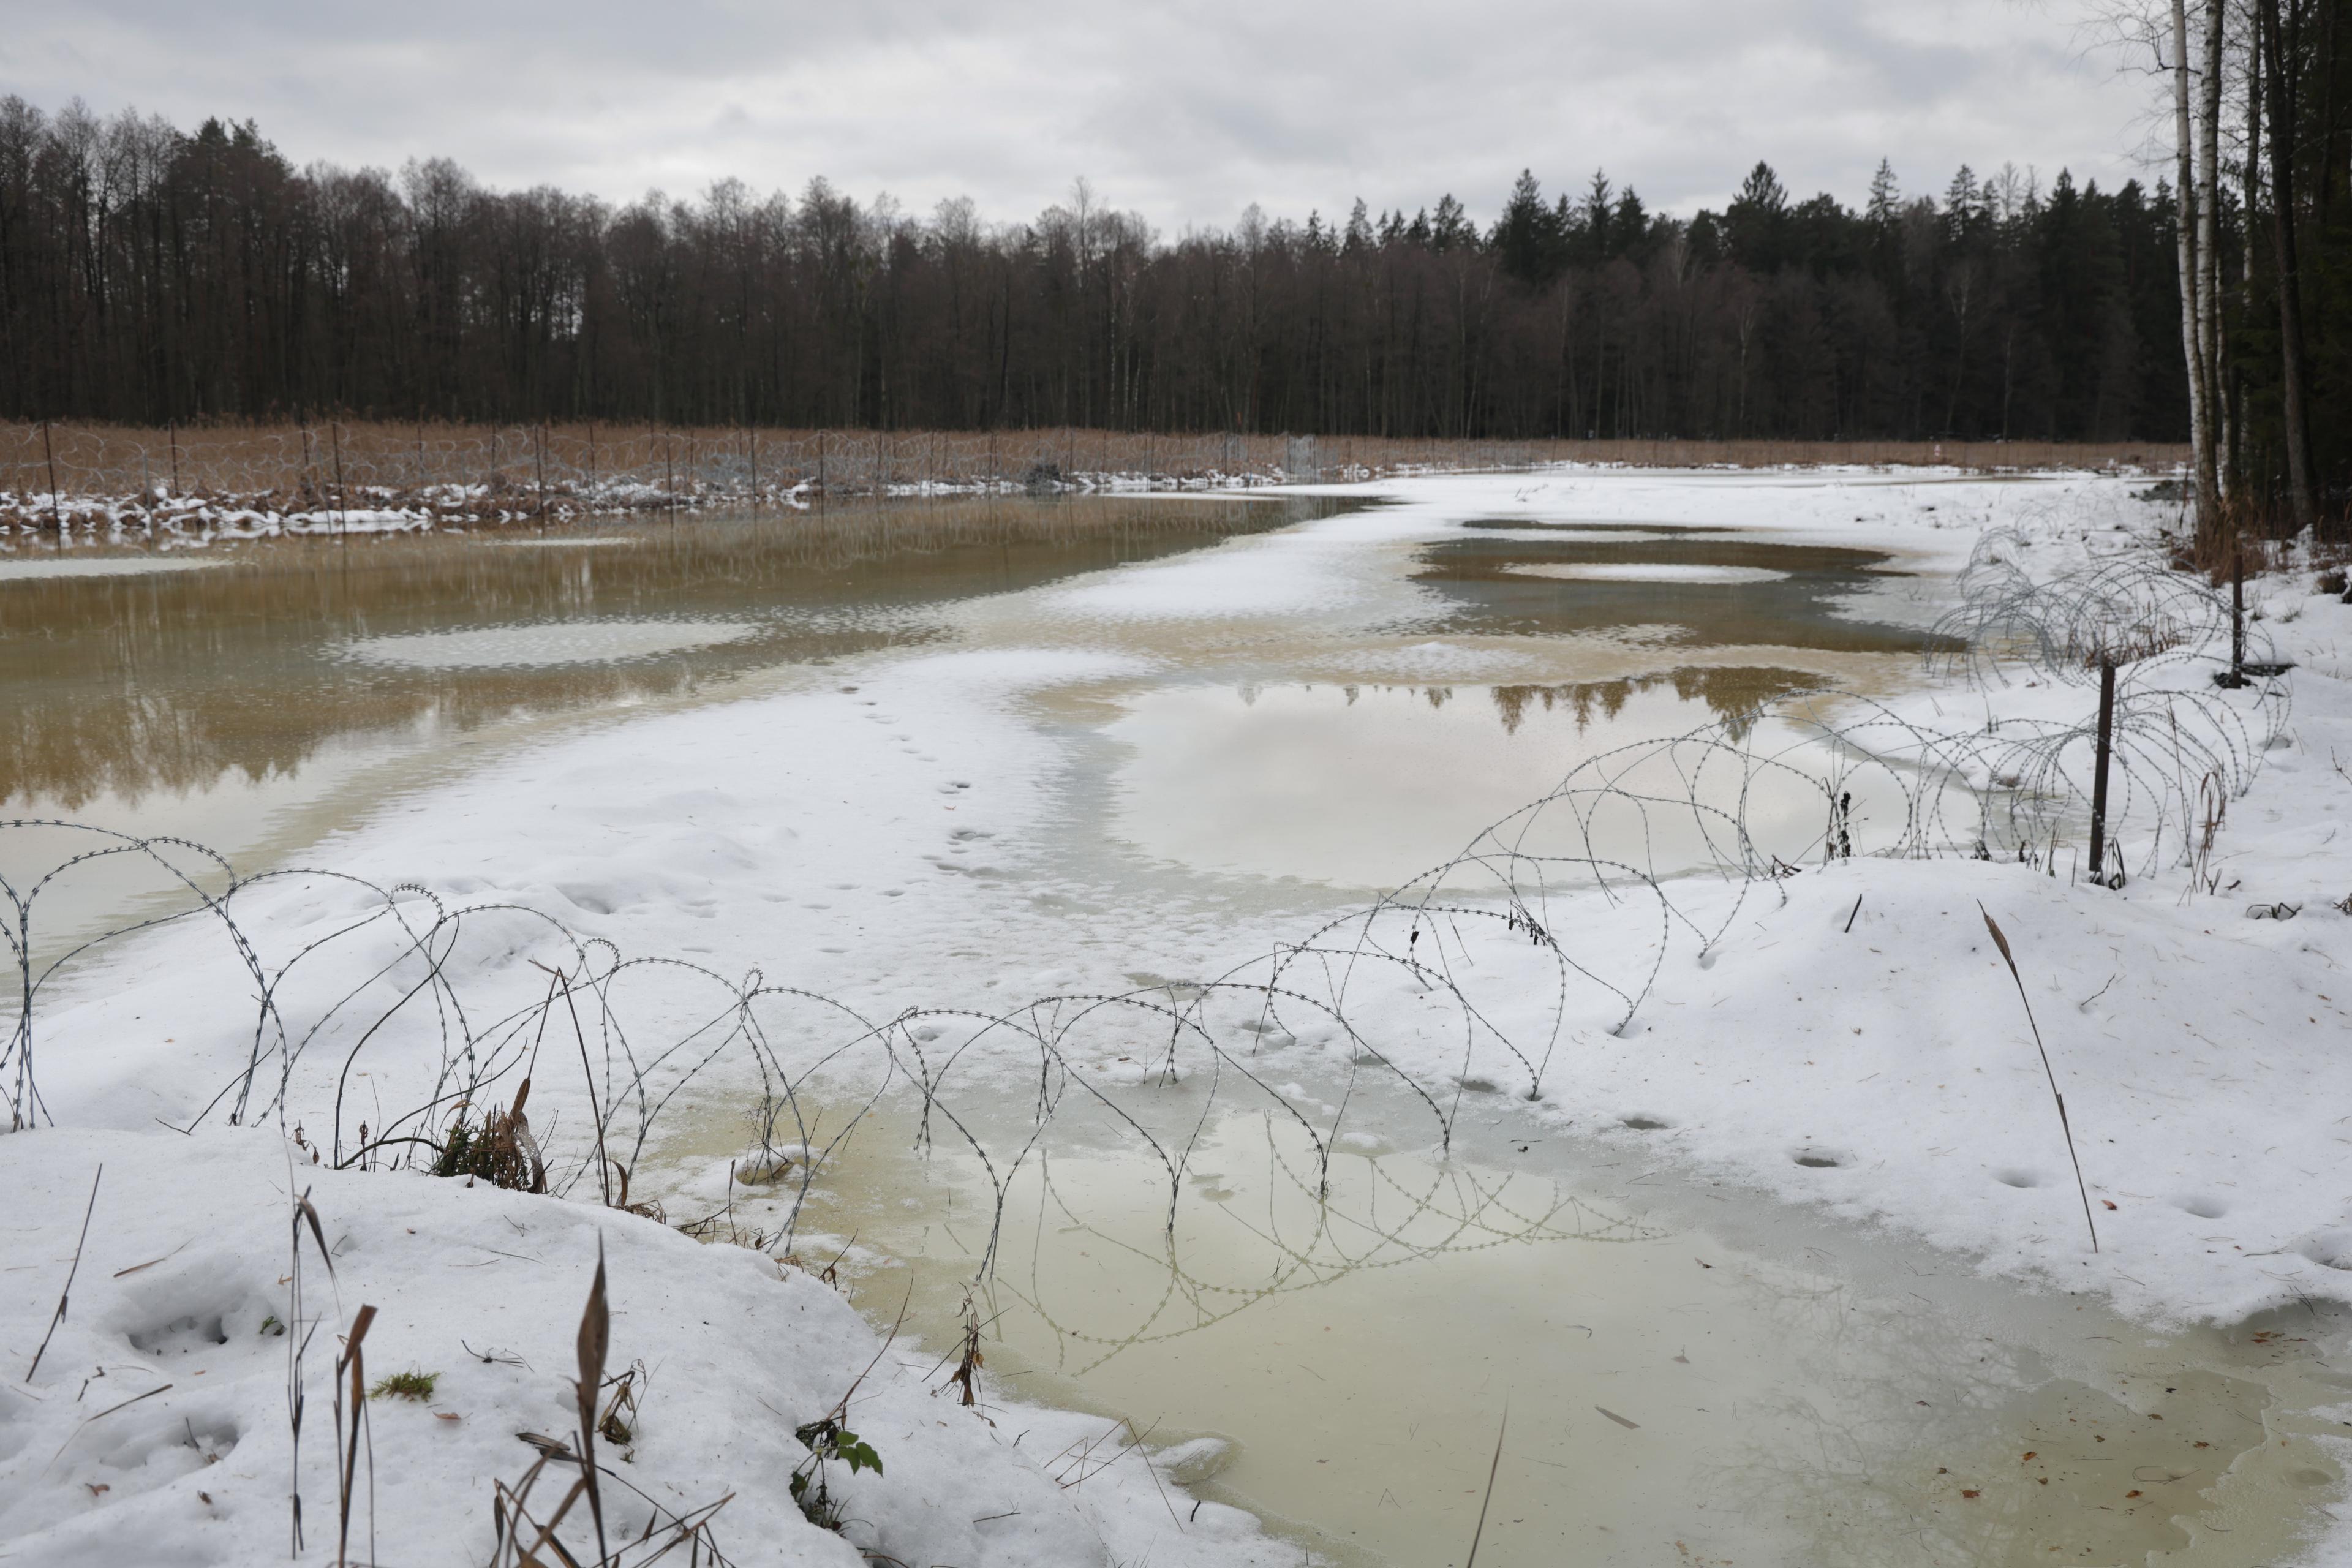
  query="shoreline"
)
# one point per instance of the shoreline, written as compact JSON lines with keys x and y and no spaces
{"x":1705,"y":1128}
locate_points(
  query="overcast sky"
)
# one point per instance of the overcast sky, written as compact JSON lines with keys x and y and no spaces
{"x":1185,"y":111}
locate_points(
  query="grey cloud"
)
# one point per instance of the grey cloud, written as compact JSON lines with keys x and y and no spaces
{"x":1186,"y":112}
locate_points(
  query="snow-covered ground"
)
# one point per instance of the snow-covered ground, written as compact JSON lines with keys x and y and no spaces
{"x":183,"y":1285}
{"x":910,"y":829}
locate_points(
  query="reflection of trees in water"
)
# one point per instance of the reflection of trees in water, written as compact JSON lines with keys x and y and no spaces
{"x":1736,"y":694}
{"x":170,"y":680}
{"x":185,"y":731}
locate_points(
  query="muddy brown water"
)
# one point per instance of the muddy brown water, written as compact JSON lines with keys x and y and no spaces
{"x":257,"y":694}
{"x":1541,"y":577}
{"x":128,"y":681}
{"x":1667,"y":1386}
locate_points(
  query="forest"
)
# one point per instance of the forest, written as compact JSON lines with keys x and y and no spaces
{"x":148,"y":274}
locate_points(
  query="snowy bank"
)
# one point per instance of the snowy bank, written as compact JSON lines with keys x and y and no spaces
{"x":157,"y":1428}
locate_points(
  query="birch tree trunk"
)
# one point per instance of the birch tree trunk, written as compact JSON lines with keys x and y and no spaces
{"x":2232,"y":451}
{"x":2185,"y":227}
{"x":2209,"y":254}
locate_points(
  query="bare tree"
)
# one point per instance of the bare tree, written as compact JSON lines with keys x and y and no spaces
{"x":2208,"y":253}
{"x":2191,"y":230}
{"x":2273,"y":48}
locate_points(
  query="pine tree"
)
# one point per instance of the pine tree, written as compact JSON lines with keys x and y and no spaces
{"x":1756,"y":218}
{"x":1886,"y":198}
{"x":1451,"y":228}
{"x":1523,"y":239}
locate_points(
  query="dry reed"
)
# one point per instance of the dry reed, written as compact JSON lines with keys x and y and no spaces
{"x":66,"y":1292}
{"x":2001,"y":942}
{"x":55,"y":475}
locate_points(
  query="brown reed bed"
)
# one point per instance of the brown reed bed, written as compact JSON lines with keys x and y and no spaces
{"x":54,"y":472}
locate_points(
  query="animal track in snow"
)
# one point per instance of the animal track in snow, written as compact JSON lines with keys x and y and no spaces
{"x":193,"y":1332}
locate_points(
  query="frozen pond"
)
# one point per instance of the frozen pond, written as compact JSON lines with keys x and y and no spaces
{"x":296,"y":684}
{"x":1219,"y":720}
{"x":41,"y":567}
{"x":536,"y":647}
{"x":1313,"y":713}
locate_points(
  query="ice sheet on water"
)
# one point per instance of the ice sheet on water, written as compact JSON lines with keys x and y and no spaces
{"x":559,"y":642}
{"x":38,"y":568}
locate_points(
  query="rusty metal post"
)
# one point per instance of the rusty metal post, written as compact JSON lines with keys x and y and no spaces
{"x":2099,"y":777}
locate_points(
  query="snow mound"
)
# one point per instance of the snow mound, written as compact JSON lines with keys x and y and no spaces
{"x":160,"y":1411}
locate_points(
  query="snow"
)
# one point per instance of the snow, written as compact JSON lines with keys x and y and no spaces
{"x":1658,"y":571}
{"x":559,"y":543}
{"x":890,"y":831}
{"x":565,"y":642}
{"x":181,"y":1287}
{"x":35,"y":569}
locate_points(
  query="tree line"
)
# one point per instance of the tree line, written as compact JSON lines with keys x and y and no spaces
{"x":148,"y":274}
{"x":2260,"y":103}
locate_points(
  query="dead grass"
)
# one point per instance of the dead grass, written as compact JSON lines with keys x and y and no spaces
{"x":498,"y":1149}
{"x":522,"y":471}
{"x":2000,"y":941}
{"x":523,"y":1540}
{"x":66,"y":1293}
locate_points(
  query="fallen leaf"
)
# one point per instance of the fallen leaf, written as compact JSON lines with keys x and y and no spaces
{"x":98,"y":1489}
{"x":2131,"y":1494}
{"x":2029,"y":1454}
{"x":444,"y":1416}
{"x":1966,"y":1492}
{"x":1629,"y":1425}
{"x":2109,"y":1202}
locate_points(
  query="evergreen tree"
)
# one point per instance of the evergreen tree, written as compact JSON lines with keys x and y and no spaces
{"x":1753,"y":221}
{"x":1523,"y":240}
{"x":1450,"y":230}
{"x":148,"y":275}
